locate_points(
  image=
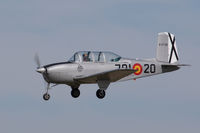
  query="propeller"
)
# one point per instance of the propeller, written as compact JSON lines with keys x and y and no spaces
{"x":39,"y":68}
{"x":37,"y":60}
{"x":43,"y":71}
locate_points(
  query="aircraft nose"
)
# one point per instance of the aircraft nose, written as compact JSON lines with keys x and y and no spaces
{"x":41,"y":70}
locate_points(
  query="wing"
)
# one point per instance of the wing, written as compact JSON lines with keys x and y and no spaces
{"x":111,"y":76}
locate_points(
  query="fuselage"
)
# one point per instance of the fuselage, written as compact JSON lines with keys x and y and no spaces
{"x":66,"y":72}
{"x":98,"y":63}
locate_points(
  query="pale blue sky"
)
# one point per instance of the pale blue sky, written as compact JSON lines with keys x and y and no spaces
{"x":56,"y":29}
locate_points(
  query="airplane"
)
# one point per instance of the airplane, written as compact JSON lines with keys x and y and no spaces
{"x":103,"y":67}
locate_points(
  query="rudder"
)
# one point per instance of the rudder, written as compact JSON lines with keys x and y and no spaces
{"x":166,"y":48}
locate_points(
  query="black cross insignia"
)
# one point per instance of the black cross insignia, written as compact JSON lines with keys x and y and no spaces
{"x":173,"y":48}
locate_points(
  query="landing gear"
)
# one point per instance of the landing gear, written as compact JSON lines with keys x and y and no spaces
{"x":46,"y":96}
{"x":75,"y":93}
{"x":100,"y":94}
{"x":103,"y":85}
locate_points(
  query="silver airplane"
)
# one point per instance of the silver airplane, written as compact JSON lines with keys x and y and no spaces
{"x":103,"y":68}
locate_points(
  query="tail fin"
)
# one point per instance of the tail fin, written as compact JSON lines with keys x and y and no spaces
{"x":166,"y":48}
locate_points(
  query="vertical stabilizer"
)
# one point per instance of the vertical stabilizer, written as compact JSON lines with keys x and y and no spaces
{"x":166,"y":48}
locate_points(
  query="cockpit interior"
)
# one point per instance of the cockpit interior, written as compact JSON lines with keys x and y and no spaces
{"x":94,"y":56}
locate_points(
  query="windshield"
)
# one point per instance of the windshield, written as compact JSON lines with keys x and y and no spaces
{"x":111,"y":57}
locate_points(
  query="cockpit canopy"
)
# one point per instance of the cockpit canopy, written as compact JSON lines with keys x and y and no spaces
{"x":94,"y":56}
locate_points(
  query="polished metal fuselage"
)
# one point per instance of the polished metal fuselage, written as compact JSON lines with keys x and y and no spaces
{"x":66,"y":73}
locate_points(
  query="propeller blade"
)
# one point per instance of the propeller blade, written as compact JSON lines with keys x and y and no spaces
{"x":37,"y":60}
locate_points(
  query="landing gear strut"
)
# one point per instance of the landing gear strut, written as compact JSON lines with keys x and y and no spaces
{"x":100,"y":93}
{"x":46,"y":96}
{"x":103,"y":85}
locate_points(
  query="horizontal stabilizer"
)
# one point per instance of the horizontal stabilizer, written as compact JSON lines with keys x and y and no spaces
{"x":169,"y":68}
{"x":172,"y":67}
{"x":183,"y":65}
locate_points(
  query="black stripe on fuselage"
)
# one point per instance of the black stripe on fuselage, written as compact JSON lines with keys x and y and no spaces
{"x":54,"y":64}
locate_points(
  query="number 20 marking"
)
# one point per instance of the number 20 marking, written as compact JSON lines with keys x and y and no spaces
{"x":150,"y":68}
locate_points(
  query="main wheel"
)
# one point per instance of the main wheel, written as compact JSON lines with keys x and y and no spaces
{"x":100,"y":94}
{"x":75,"y":93}
{"x":46,"y":96}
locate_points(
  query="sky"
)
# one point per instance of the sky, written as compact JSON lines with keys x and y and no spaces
{"x":57,"y":29}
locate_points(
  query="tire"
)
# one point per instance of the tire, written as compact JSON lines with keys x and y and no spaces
{"x":75,"y":93}
{"x":100,"y":94}
{"x":46,"y":96}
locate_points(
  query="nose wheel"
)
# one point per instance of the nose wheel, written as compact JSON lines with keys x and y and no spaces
{"x":100,"y":94}
{"x":46,"y":96}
